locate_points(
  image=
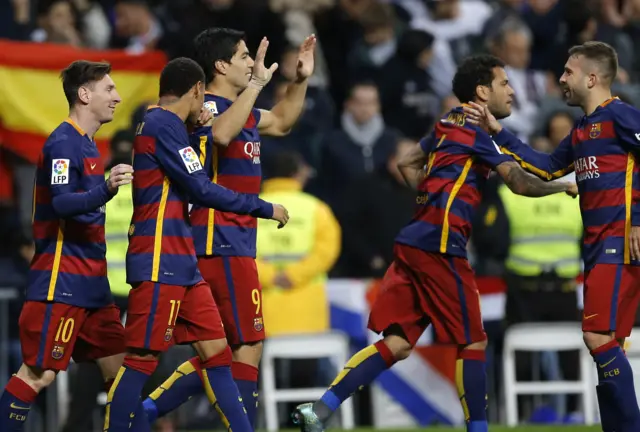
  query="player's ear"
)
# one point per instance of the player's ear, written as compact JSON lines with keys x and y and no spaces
{"x":482,"y":92}
{"x":221,"y":67}
{"x":84,"y":95}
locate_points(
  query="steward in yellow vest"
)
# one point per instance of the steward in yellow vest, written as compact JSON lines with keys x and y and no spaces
{"x":293,"y":262}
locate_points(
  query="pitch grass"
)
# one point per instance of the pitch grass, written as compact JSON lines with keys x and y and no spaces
{"x":527,"y":428}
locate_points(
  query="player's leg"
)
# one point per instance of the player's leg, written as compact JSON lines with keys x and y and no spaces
{"x":239,"y":299}
{"x":151,"y":320}
{"x":611,"y":298}
{"x":48,"y":333}
{"x":454,"y":306}
{"x":396,"y":314}
{"x":200,"y":322}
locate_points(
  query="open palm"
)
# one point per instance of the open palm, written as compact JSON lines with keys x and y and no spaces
{"x":305,"y":57}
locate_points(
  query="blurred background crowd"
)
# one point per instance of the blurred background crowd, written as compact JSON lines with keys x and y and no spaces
{"x":383,"y":76}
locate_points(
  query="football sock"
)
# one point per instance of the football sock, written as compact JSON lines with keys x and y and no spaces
{"x":223,"y":392}
{"x":471,"y":381}
{"x":123,"y":399}
{"x":359,"y":371}
{"x":15,"y":404}
{"x":246,"y":378}
{"x":184,"y":383}
{"x":615,"y":374}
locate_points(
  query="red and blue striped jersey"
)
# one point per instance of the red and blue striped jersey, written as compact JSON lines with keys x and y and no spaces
{"x":601,"y":149}
{"x":461,"y":156}
{"x":237,"y":167}
{"x":168,"y":174}
{"x":69,"y":200}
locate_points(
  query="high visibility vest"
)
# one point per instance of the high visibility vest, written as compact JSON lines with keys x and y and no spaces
{"x":545,"y":234}
{"x":299,"y":309}
{"x":119,"y":211}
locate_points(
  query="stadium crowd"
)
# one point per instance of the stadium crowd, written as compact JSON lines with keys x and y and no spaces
{"x":382,"y":78}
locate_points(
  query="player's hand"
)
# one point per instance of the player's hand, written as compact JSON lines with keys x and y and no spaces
{"x":205,"y":118}
{"x":260,"y":75}
{"x":280,"y":214}
{"x":282,"y":281}
{"x":481,"y":116}
{"x":120,"y":175}
{"x":306,"y":58}
{"x":634,"y":242}
{"x":572,"y":190}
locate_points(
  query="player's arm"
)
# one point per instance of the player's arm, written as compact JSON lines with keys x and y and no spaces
{"x":324,"y":252}
{"x":192,"y":178}
{"x":516,"y":179}
{"x":226,"y":126}
{"x":546,"y":166}
{"x":66,"y":168}
{"x":411,"y":164}
{"x":282,"y":117}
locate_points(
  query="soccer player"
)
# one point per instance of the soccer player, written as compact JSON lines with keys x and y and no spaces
{"x":430,"y":281}
{"x":169,"y":301}
{"x":226,"y":242}
{"x":601,"y":149}
{"x":69,"y":311}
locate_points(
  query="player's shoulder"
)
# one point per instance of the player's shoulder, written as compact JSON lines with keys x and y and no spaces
{"x":455,"y":125}
{"x":618,"y":109}
{"x":63,"y":140}
{"x":216,"y":104}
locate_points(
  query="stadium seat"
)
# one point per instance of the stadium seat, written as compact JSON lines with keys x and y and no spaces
{"x":538,"y":337}
{"x":334,"y":345}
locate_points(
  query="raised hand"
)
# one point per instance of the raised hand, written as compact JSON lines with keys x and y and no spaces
{"x":260,"y":75}
{"x":120,"y":175}
{"x":306,"y":60}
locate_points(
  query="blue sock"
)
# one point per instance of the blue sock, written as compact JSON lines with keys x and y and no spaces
{"x":471,"y":381}
{"x":140,"y":421}
{"x":608,"y":417}
{"x":360,"y":370}
{"x":15,"y":404}
{"x":614,"y":372}
{"x":246,"y":378}
{"x":123,"y":399}
{"x":223,"y":392}
{"x":184,"y":383}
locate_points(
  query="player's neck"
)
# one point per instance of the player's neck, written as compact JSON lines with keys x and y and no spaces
{"x":86,"y":121}
{"x":222,"y":89}
{"x":596,"y":99}
{"x":176,"y":106}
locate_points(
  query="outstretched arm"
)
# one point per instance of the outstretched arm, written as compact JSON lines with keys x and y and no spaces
{"x":523,"y":183}
{"x":282,"y":117}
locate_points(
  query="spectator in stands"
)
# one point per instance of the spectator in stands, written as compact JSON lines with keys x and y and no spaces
{"x":512,"y":43}
{"x":15,"y":19}
{"x":372,"y":211}
{"x":503,"y":10}
{"x":409,"y":103}
{"x":137,"y":29}
{"x":362,"y":144}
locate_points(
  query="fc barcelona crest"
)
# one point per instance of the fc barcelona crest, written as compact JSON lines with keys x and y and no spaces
{"x":596,"y":128}
{"x":258,"y":324}
{"x":57,"y":352}
{"x":168,"y":334}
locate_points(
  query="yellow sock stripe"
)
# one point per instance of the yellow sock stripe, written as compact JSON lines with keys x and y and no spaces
{"x":112,"y":391}
{"x":213,"y":400}
{"x":184,"y":369}
{"x":460,"y":387}
{"x":355,"y":361}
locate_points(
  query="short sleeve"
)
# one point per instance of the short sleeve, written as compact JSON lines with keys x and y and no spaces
{"x":488,"y":151}
{"x":428,"y":143}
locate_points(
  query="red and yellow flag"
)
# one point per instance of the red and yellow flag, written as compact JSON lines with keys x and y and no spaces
{"x":32,"y":102}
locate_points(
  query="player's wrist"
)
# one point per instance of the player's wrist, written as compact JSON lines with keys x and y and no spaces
{"x":257,"y":84}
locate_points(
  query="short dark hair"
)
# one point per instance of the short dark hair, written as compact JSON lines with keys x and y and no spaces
{"x":359,"y":84}
{"x":412,"y":43}
{"x":216,"y":44}
{"x":179,"y":76}
{"x":474,"y":71}
{"x":285,"y":164}
{"x":80,"y":73}
{"x":601,"y":53}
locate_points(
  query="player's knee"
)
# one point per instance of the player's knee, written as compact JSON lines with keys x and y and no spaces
{"x":37,"y":379}
{"x":479,"y":346}
{"x":595,"y":340}
{"x":211,"y":348}
{"x":399,"y":347}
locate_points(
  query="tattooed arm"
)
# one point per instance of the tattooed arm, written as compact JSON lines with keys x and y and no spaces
{"x":522,"y":183}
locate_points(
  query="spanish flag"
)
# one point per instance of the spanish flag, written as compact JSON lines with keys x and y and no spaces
{"x":32,"y":102}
